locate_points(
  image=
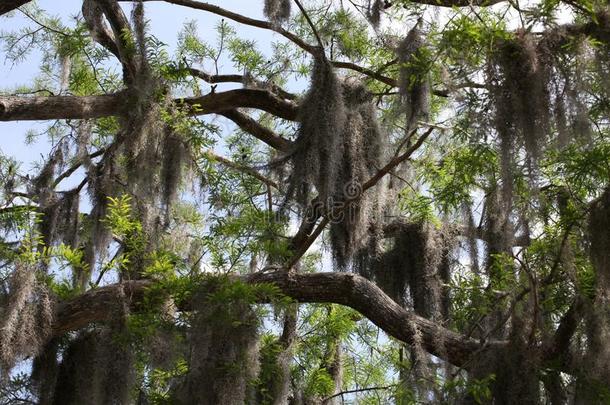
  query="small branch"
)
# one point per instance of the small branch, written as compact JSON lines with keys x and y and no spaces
{"x":236,"y":78}
{"x":241,"y":168}
{"x":387,"y":387}
{"x":313,"y":27}
{"x":248,"y":124}
{"x":75,"y":167}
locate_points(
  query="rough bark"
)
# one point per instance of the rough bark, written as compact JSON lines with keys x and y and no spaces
{"x":339,"y":288}
{"x":251,"y":126}
{"x":14,"y":108}
{"x":10,"y":5}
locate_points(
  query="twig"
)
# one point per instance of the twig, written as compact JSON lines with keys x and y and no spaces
{"x":75,"y":167}
{"x":313,"y":27}
{"x":242,"y":168}
{"x":387,"y":387}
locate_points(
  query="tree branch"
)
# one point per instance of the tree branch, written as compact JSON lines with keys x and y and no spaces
{"x":241,"y":168}
{"x":237,"y":78}
{"x":14,"y":108}
{"x":92,"y":14}
{"x":10,"y":5}
{"x":339,"y":288}
{"x":286,"y":34}
{"x":121,"y":28}
{"x":246,"y":123}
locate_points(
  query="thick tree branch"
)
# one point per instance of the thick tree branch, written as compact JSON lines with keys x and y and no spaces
{"x":10,"y":5}
{"x":264,"y":134}
{"x":558,"y":349}
{"x":244,"y":98}
{"x":92,"y":14}
{"x":339,"y":288}
{"x":14,"y":108}
{"x":122,"y":30}
{"x":237,"y":78}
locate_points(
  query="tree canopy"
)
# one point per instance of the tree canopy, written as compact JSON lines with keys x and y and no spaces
{"x":370,"y":202}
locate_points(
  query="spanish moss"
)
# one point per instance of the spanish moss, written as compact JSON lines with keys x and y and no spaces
{"x":373,"y":12}
{"x":363,"y":150}
{"x":414,"y":82}
{"x":319,"y":147}
{"x":598,"y":320}
{"x":27,"y":318}
{"x":520,"y":78}
{"x":277,"y":11}
{"x":224,"y":355}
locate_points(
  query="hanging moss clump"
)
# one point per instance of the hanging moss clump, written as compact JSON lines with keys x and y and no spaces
{"x":319,"y":147}
{"x":26,"y":317}
{"x":414,"y":81}
{"x":45,"y":370}
{"x":59,"y":212}
{"x":415,"y":267}
{"x":277,"y":11}
{"x":598,"y":318}
{"x":77,"y":382}
{"x":339,"y":147}
{"x":102,"y":184}
{"x":224,"y":355}
{"x":358,"y":225}
{"x":498,"y":229}
{"x":60,"y":219}
{"x":274,"y":381}
{"x":97,"y":366}
{"x":176,"y":156}
{"x":373,"y":12}
{"x":520,"y":78}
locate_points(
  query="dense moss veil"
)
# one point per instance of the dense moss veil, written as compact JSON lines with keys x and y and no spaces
{"x":323,"y":202}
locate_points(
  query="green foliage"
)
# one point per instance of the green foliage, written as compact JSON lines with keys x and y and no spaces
{"x":244,"y":53}
{"x":348,"y":32}
{"x":319,"y":384}
{"x":270,"y":370}
{"x":416,"y":207}
{"x":585,"y":280}
{"x":222,"y":289}
{"x":471,"y":300}
{"x":158,"y":383}
{"x":478,"y":389}
{"x":467,"y":38}
{"x":579,"y":168}
{"x":460,"y":173}
{"x":227,"y":223}
{"x":120,"y":218}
